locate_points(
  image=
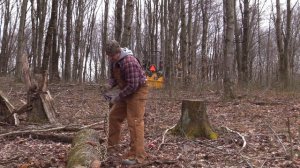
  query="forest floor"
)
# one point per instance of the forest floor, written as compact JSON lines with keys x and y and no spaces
{"x":266,"y":122}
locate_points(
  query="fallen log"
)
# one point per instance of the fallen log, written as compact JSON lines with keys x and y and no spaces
{"x":85,"y":152}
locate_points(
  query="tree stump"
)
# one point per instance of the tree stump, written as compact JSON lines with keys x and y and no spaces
{"x":38,"y":95}
{"x":194,"y":121}
{"x":86,"y":150}
{"x":6,"y":111}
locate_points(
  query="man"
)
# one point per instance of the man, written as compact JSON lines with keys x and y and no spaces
{"x":129,"y":103}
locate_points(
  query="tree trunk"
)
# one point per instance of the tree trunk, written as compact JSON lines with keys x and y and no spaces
{"x":49,"y":37}
{"x":183,"y":43}
{"x":194,"y":121}
{"x":4,"y":56}
{"x":84,"y":152}
{"x":127,"y":23}
{"x":118,"y":20}
{"x":204,"y":57}
{"x":104,"y":39}
{"x":41,"y":15}
{"x":21,"y":42}
{"x":228,"y":47}
{"x":68,"y":42}
{"x":245,"y":45}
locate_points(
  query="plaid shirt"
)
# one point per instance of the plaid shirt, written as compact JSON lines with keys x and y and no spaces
{"x":132,"y":73}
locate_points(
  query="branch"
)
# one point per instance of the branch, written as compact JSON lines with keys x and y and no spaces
{"x":163,"y":138}
{"x":47,"y":130}
{"x":279,"y":140}
{"x":243,"y":138}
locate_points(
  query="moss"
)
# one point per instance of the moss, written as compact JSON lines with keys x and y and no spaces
{"x":195,"y":131}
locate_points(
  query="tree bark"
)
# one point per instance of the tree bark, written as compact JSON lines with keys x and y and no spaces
{"x":183,"y":43}
{"x":68,"y":42}
{"x":4,"y":56}
{"x":245,"y":45}
{"x":194,"y":121}
{"x":118,"y":20}
{"x":228,"y":48}
{"x":84,"y":151}
{"x":7,"y":110}
{"x":126,"y":37}
{"x":38,"y":96}
{"x":21,"y":42}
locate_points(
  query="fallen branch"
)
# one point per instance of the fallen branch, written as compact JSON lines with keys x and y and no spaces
{"x":243,"y":138}
{"x":48,"y":130}
{"x":163,"y":138}
{"x":279,"y":140}
{"x":157,"y":162}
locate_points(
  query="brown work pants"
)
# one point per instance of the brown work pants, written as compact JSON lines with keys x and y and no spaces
{"x":131,"y":108}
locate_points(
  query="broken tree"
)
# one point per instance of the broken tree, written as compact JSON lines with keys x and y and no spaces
{"x":194,"y":121}
{"x":38,"y":95}
{"x":7,"y":111}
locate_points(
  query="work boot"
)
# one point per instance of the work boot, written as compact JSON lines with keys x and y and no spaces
{"x":129,"y":162}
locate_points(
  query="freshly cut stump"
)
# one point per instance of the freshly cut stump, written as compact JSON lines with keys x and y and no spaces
{"x":86,"y":150}
{"x":194,"y":121}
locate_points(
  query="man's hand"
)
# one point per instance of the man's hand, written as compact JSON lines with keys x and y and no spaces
{"x":105,"y":88}
{"x":114,"y":99}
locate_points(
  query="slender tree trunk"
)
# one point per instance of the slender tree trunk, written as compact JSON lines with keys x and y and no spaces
{"x":238,"y":56}
{"x":228,"y":47}
{"x":68,"y":41}
{"x":49,"y":37}
{"x":4,"y":56}
{"x":21,"y":43}
{"x":204,"y":57}
{"x":118,"y":20}
{"x":183,"y":42}
{"x":104,"y":39}
{"x":127,"y":23}
{"x":41,"y":11}
{"x":62,"y":38}
{"x":78,"y":35}
{"x":54,"y":75}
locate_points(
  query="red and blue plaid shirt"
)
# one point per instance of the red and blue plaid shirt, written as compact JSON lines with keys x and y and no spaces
{"x":132,"y":73}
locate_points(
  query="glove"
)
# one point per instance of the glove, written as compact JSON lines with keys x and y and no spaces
{"x":107,"y":97}
{"x":114,"y":99}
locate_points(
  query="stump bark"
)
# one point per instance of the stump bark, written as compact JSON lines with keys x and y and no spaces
{"x":38,"y":95}
{"x":6,"y":111}
{"x":194,"y":121}
{"x":85,"y":151}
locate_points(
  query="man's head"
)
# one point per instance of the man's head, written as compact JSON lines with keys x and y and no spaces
{"x":112,"y":49}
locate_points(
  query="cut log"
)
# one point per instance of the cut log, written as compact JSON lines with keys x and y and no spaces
{"x":38,"y":95}
{"x":194,"y":121}
{"x":7,"y":111}
{"x":85,"y":151}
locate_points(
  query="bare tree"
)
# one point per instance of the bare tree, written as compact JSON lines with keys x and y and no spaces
{"x":183,"y":42}
{"x":283,"y":44}
{"x":4,"y":56}
{"x":126,"y":36}
{"x":118,"y":20}
{"x":78,"y":38}
{"x":104,"y":39}
{"x":228,"y":47}
{"x":50,"y":38}
{"x":204,"y":58}
{"x":21,"y":42}
{"x":68,"y":41}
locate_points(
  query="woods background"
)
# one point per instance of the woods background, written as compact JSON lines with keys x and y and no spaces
{"x":198,"y":42}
